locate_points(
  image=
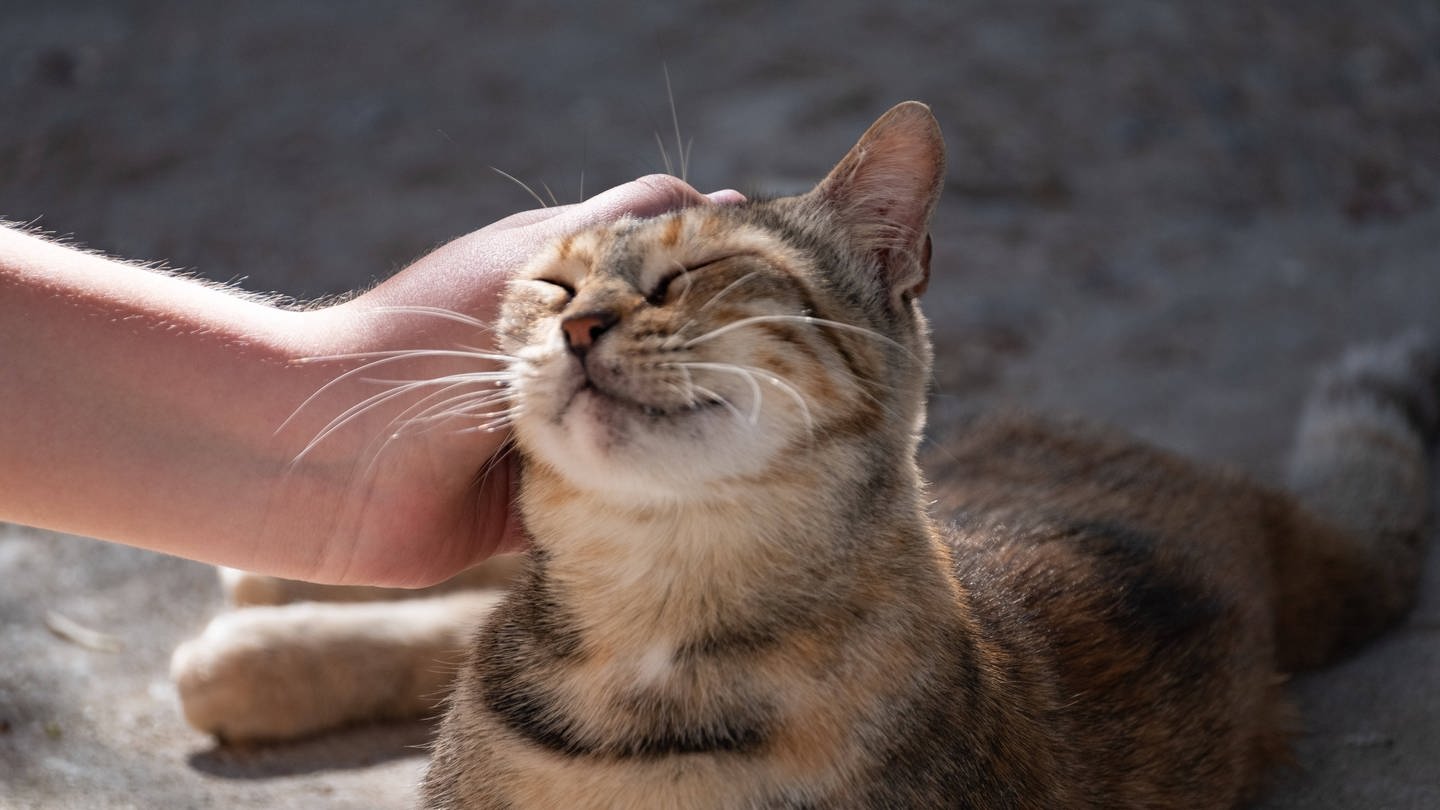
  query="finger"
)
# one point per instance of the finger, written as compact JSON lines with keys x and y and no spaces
{"x":645,"y":197}
{"x":727,"y":196}
{"x":648,"y":196}
{"x":506,"y":245}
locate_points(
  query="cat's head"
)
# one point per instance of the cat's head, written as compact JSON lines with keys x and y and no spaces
{"x":661,"y":358}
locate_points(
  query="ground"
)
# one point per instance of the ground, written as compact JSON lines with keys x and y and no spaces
{"x":1160,"y":214}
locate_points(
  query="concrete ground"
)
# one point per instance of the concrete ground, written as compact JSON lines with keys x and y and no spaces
{"x":1159,"y":213}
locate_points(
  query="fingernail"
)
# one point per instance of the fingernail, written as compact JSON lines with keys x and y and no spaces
{"x":727,"y":196}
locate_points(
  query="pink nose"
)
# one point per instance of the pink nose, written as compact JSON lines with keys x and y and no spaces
{"x":581,"y":331}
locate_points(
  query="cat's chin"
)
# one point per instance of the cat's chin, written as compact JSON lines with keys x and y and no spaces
{"x":607,"y":444}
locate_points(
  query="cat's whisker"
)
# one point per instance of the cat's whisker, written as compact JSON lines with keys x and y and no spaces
{"x":793,"y":392}
{"x":688,"y":278}
{"x":677,"y":339}
{"x":664,"y":155}
{"x":344,"y":418}
{"x":461,"y":406}
{"x":683,"y":153}
{"x":439,"y":312}
{"x":470,"y":376}
{"x":500,"y":422}
{"x":377,"y":359}
{"x":392,"y":432}
{"x":383,"y":397}
{"x":441,"y":399}
{"x":750,"y":373}
{"x":349,"y":415}
{"x":501,"y":456}
{"x":808,"y":320}
{"x":746,"y":373}
{"x":715,"y":299}
{"x":471,"y":405}
{"x":388,"y":354}
{"x":756,"y":396}
{"x":717,"y":397}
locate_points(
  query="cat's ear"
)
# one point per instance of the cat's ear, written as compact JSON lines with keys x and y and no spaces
{"x":885,"y":190}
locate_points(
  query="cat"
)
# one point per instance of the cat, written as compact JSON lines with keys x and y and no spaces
{"x":742,"y":593}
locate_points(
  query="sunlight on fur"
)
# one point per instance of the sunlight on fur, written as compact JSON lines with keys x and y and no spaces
{"x":742,"y":593}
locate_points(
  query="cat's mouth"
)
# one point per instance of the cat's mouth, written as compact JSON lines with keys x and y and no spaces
{"x":608,"y":399}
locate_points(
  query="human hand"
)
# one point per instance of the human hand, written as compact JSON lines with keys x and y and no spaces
{"x":407,"y":501}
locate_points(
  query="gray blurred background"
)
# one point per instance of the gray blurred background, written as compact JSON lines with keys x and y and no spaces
{"x":1161,"y":214}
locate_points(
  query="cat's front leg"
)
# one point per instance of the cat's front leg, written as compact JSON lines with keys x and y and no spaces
{"x":269,"y":673}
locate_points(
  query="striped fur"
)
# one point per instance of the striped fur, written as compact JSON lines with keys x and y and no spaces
{"x":739,"y":599}
{"x":742,"y":594}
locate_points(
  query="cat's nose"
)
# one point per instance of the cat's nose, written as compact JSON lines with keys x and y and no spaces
{"x":583,"y":329}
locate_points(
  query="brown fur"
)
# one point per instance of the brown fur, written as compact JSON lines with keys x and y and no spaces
{"x":741,"y":596}
{"x":1096,"y":626}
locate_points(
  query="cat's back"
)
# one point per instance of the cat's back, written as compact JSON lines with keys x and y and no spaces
{"x":1139,"y":578}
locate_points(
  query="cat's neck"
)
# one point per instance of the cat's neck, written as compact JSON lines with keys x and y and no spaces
{"x":633,"y":573}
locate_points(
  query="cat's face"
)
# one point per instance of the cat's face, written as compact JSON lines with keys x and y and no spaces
{"x":658,"y":358}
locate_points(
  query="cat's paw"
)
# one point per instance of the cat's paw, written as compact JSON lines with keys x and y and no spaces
{"x":246,"y":678}
{"x":266,"y":673}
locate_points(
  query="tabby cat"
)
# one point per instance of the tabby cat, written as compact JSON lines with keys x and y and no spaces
{"x":742,"y":594}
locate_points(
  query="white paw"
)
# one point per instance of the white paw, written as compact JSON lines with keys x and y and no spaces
{"x":249,"y":676}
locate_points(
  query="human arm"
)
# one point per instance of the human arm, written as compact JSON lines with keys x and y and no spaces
{"x":147,"y":409}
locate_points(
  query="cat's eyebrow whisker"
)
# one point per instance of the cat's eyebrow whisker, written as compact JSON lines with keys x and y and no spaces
{"x":517,"y":181}
{"x":664,"y":155}
{"x":683,"y":150}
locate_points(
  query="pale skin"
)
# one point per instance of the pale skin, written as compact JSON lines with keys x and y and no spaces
{"x":151,"y":410}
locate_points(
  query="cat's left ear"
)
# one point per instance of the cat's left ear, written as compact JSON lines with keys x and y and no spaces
{"x":886,"y":189}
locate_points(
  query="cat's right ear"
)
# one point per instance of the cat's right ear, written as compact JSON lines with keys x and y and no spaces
{"x":885,"y":191}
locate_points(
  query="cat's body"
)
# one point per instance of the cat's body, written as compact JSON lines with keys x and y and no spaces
{"x":738,"y":597}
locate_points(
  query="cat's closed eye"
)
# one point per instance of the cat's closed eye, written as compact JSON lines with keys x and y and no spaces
{"x":661,"y":291}
{"x":564,"y":286}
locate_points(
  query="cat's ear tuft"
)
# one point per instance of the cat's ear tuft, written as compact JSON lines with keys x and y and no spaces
{"x":885,"y":190}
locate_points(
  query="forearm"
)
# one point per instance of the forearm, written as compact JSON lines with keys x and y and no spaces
{"x":154,"y":411}
{"x":143,"y":408}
